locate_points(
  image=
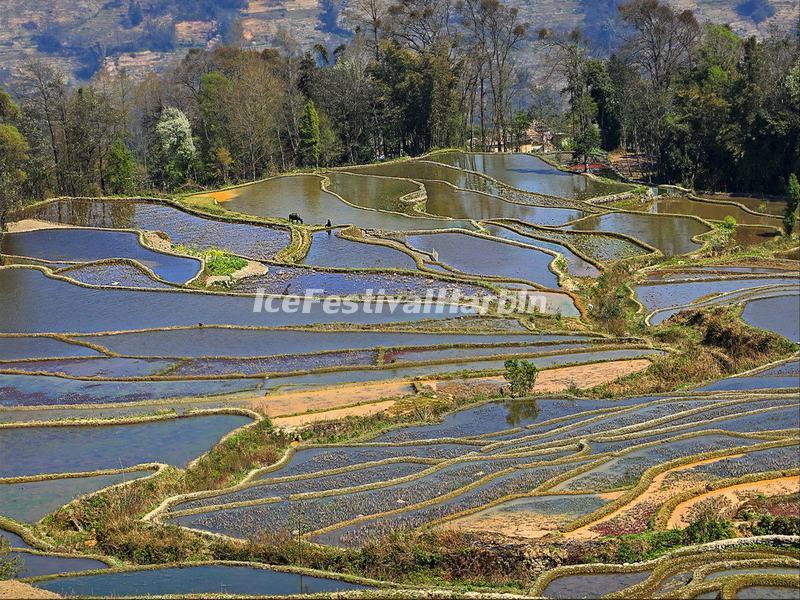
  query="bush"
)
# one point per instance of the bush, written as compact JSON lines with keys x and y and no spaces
{"x":522,"y":375}
{"x":769,"y":525}
{"x":709,"y":530}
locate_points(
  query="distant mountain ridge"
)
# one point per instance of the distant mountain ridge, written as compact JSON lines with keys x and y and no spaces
{"x":140,"y":35}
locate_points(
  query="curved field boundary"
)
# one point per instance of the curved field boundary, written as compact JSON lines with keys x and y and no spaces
{"x":666,"y":510}
{"x":675,"y":561}
{"x":143,"y":242}
{"x":700,"y":489}
{"x":731,"y":202}
{"x":60,"y":338}
{"x":553,"y":266}
{"x":345,"y":368}
{"x":231,"y":563}
{"x":130,"y":262}
{"x":741,"y":296}
{"x":52,"y":275}
{"x":582,"y":453}
{"x":511,"y":223}
{"x":429,"y":157}
{"x":697,"y":239}
{"x":647,"y":478}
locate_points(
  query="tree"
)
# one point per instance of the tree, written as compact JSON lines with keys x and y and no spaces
{"x":175,"y":151}
{"x":663,"y":39}
{"x":310,"y":136}
{"x":587,"y":143}
{"x":121,"y":168}
{"x":13,"y":155}
{"x":792,"y":203}
{"x":521,"y":375}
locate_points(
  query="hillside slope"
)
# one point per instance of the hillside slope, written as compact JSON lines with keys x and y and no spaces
{"x":140,"y":35}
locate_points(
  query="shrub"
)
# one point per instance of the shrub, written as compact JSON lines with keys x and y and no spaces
{"x":522,"y":375}
{"x":709,"y":530}
{"x":767,"y":525}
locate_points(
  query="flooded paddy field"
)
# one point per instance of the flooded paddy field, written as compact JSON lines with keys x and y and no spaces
{"x":446,"y":201}
{"x":30,"y":501}
{"x":330,"y":249}
{"x":51,"y":305}
{"x":303,"y":195}
{"x":709,"y":210}
{"x":254,"y":241}
{"x":673,"y":235}
{"x":83,"y":448}
{"x":202,"y":580}
{"x":43,"y":390}
{"x":529,"y":173}
{"x":484,"y":256}
{"x":87,"y":245}
{"x":127,"y":378}
{"x":118,"y":274}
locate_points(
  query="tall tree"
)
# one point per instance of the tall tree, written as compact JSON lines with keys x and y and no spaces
{"x":13,"y":157}
{"x":175,"y":151}
{"x":310,"y":136}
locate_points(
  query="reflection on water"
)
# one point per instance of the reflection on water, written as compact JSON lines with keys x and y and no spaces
{"x":671,"y":235}
{"x":446,"y":201}
{"x":303,"y":195}
{"x":85,"y":245}
{"x":528,"y":173}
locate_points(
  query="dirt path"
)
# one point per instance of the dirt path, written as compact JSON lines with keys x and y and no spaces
{"x":292,"y":409}
{"x":19,"y":590}
{"x":33,"y":225}
{"x":734,"y":493}
{"x":582,"y":376}
{"x":361,"y":410}
{"x":221,"y":195}
{"x":285,"y":404}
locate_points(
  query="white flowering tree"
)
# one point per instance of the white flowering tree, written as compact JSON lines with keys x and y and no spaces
{"x":174,"y":148}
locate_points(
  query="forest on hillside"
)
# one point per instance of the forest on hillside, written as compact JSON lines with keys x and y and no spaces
{"x":701,"y":106}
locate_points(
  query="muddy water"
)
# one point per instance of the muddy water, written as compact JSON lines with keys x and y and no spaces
{"x":330,"y":250}
{"x":714,"y":211}
{"x":84,"y":245}
{"x":446,"y":201}
{"x":371,"y":192}
{"x":303,"y":195}
{"x":671,"y":235}
{"x":527,"y":173}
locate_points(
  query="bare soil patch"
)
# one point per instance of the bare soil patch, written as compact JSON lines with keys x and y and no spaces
{"x":19,"y":590}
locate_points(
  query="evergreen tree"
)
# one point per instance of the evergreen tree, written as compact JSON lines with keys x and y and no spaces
{"x":120,"y":168}
{"x":792,"y":204}
{"x":309,"y":136}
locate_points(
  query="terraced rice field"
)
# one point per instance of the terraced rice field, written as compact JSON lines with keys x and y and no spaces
{"x":126,"y":371}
